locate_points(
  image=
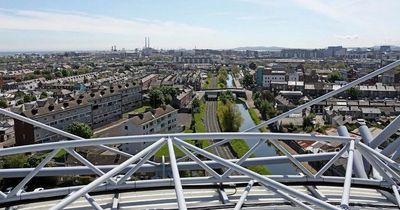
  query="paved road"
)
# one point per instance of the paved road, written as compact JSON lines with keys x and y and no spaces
{"x":212,"y":125}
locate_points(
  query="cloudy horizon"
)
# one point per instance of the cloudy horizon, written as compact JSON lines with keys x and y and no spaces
{"x":81,"y":25}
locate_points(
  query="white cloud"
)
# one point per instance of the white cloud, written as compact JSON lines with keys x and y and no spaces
{"x":348,"y":37}
{"x":161,"y":32}
{"x":80,"y":22}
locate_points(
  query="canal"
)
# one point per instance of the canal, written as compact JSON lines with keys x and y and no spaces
{"x":265,"y":150}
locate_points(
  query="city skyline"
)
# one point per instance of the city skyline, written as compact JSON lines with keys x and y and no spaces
{"x":80,"y":25}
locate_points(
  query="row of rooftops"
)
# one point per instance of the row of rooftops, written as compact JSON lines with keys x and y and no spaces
{"x":373,"y":103}
{"x":142,"y":118}
{"x":51,"y":105}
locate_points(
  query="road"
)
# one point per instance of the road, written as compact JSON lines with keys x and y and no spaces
{"x":212,"y":125}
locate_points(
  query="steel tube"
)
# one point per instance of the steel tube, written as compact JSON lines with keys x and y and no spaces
{"x":71,"y":198}
{"x":347,"y":181}
{"x":260,"y":178}
{"x":177,"y":179}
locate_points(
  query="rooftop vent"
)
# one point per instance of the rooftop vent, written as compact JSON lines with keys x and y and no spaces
{"x":34,"y":111}
{"x":141,"y":116}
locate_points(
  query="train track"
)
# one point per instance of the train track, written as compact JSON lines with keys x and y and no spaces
{"x":212,"y":125}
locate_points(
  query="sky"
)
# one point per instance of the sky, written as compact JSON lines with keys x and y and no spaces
{"x":43,"y":25}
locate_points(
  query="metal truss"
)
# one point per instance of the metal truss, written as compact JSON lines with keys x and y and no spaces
{"x":118,"y":176}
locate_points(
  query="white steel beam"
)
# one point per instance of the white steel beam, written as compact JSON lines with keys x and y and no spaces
{"x":56,"y":130}
{"x":291,"y":158}
{"x":396,"y":194}
{"x":183,"y":136}
{"x":139,"y":164}
{"x":378,"y":154}
{"x":198,"y":161}
{"x":332,"y":161}
{"x":81,"y":192}
{"x":262,"y":179}
{"x":327,"y":95}
{"x":391,"y":148}
{"x":243,"y":197}
{"x":287,"y":197}
{"x":177,"y":179}
{"x":245,"y":156}
{"x":84,"y":161}
{"x":92,"y":202}
{"x":17,"y":188}
{"x":386,"y":133}
{"x":347,"y":181}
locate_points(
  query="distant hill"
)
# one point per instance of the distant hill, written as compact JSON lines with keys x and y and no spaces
{"x":259,"y":48}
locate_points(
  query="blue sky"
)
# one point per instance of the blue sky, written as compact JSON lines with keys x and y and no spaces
{"x":98,"y":24}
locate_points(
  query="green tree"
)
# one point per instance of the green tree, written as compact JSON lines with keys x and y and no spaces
{"x":14,"y":161}
{"x":335,"y":76}
{"x":353,"y":93}
{"x":226,"y":97}
{"x":308,"y":121}
{"x":267,"y":110}
{"x":168,"y":90}
{"x":196,"y":103}
{"x":3,"y":103}
{"x":43,"y":95}
{"x":248,"y":80}
{"x":58,"y":74}
{"x":235,"y":70}
{"x":80,"y":129}
{"x":29,"y":98}
{"x":253,"y":66}
{"x":156,"y":98}
{"x":231,"y":118}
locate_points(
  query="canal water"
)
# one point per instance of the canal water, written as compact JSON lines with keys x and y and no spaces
{"x":264,"y":150}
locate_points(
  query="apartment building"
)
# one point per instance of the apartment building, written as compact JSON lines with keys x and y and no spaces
{"x":59,"y":115}
{"x":131,"y":95}
{"x":160,"y":120}
{"x":273,"y":76}
{"x":106,"y":106}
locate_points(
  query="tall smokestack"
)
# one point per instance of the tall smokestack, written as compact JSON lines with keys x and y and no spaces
{"x":148,"y":42}
{"x":145,"y":42}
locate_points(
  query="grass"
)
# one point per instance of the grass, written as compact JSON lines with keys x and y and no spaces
{"x":256,"y":119}
{"x":60,"y":154}
{"x":197,"y":127}
{"x":141,"y":109}
{"x":208,"y":82}
{"x":240,"y":147}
